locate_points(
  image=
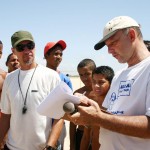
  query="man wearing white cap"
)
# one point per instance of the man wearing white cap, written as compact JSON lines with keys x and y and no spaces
{"x":126,"y":126}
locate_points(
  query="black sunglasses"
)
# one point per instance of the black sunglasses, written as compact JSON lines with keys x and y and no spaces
{"x":21,"y":47}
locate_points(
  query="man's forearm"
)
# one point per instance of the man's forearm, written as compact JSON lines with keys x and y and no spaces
{"x":137,"y":126}
{"x":4,"y":126}
{"x":55,"y":132}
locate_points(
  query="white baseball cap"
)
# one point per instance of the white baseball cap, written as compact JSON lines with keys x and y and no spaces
{"x":113,"y":26}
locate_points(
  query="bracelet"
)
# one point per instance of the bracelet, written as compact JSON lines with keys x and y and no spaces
{"x":49,"y":148}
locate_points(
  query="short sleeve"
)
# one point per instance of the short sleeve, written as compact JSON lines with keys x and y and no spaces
{"x":5,"y":102}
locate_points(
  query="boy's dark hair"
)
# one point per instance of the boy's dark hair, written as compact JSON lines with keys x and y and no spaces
{"x":8,"y":58}
{"x":147,"y":43}
{"x":106,"y":71}
{"x":87,"y":62}
{"x":1,"y":42}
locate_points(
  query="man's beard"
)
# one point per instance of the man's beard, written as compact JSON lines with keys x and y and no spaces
{"x":29,"y":62}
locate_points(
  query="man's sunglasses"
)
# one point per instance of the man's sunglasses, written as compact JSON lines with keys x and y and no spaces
{"x":21,"y":47}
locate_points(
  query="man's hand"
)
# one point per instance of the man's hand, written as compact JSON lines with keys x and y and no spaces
{"x":88,"y":112}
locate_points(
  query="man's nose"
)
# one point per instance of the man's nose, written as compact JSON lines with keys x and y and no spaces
{"x":27,"y":50}
{"x":16,"y":61}
{"x":110,"y":50}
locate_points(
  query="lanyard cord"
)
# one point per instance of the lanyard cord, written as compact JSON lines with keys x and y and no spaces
{"x":24,"y":109}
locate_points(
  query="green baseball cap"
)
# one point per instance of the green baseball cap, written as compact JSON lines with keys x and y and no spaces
{"x":20,"y":36}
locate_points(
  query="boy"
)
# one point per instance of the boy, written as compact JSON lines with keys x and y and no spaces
{"x":85,"y":69}
{"x":101,"y":80}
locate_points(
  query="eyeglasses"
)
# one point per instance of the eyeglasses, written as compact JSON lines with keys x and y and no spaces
{"x":21,"y":47}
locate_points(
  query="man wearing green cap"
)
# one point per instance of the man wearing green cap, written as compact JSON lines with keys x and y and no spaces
{"x":126,"y":125}
{"x":23,"y":91}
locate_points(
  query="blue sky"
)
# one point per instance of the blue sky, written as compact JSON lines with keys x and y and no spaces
{"x":80,"y":23}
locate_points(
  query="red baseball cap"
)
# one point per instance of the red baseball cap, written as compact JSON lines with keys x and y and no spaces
{"x":50,"y":45}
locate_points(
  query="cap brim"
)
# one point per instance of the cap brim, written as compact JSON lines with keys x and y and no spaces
{"x":101,"y":43}
{"x":62,"y":43}
{"x":24,"y":39}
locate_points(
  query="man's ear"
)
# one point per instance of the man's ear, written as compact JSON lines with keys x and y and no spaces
{"x":45,"y":56}
{"x":132,"y":34}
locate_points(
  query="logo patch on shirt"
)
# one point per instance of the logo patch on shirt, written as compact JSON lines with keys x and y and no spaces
{"x":112,"y":100}
{"x":125,"y":88}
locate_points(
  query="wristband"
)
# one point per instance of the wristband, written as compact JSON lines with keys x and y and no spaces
{"x":49,"y":148}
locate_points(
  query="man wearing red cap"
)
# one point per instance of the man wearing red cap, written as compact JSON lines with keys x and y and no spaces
{"x":53,"y":53}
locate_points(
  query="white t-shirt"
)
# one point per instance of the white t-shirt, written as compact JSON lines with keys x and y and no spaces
{"x":129,"y":95}
{"x":28,"y":131}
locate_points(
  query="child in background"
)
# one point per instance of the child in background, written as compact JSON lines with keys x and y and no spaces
{"x":101,"y":81}
{"x":85,"y":69}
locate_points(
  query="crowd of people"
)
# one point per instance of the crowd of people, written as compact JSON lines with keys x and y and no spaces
{"x":114,"y":112}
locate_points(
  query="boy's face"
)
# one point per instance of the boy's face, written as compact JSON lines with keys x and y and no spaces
{"x":54,"y":58}
{"x":100,"y":85}
{"x":85,"y":74}
{"x":13,"y":63}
